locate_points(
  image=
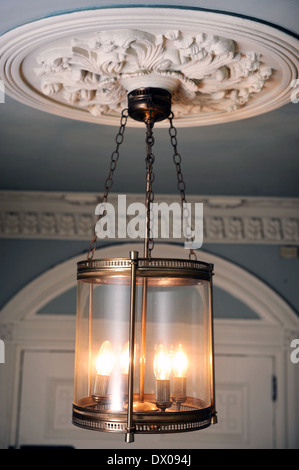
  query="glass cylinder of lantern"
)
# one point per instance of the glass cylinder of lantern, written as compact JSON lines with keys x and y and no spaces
{"x":165,"y":357}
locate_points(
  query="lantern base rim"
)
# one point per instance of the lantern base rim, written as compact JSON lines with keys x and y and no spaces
{"x":150,"y":422}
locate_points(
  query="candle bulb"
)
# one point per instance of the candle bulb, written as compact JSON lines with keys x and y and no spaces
{"x":179,"y":367}
{"x":162,"y":369}
{"x":104,"y":366}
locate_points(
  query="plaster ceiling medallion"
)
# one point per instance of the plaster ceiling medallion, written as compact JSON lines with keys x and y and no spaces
{"x":81,"y":65}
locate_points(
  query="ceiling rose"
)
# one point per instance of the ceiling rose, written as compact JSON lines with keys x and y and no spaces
{"x":81,"y":65}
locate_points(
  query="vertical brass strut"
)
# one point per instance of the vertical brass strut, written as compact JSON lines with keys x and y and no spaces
{"x":130,"y":423}
{"x":148,"y":246}
{"x":148,"y":105}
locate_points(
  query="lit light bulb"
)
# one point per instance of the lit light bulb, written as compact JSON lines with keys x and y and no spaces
{"x":104,"y":366}
{"x":125,"y":359}
{"x":162,"y":363}
{"x":162,"y":369}
{"x":180,"y":362}
{"x":105,"y":359}
{"x":179,"y":367}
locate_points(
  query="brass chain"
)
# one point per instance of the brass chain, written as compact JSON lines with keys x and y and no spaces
{"x":150,"y":158}
{"x":177,"y":159}
{"x":109,"y":180}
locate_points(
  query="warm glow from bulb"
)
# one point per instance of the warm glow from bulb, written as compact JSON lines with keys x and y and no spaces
{"x":162,"y":363}
{"x":105,"y":359}
{"x":180,"y":362}
{"x":125,"y":359}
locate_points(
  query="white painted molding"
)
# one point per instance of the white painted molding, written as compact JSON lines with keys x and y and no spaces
{"x":70,"y":216}
{"x":80,"y":65}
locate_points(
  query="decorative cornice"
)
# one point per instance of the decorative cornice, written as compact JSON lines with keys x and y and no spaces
{"x":70,"y":216}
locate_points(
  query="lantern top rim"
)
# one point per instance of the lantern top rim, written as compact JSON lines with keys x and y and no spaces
{"x":154,"y":267}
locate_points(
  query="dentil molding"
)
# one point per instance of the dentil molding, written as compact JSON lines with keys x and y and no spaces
{"x":71,"y":216}
{"x":82,"y":65}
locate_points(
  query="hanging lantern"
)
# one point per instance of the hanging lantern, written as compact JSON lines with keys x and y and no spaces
{"x":144,"y":341}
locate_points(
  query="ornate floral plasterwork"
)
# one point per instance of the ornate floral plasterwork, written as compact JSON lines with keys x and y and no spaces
{"x":206,"y":73}
{"x":220,"y":68}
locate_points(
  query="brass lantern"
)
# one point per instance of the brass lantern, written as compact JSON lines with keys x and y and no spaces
{"x":144,"y":339}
